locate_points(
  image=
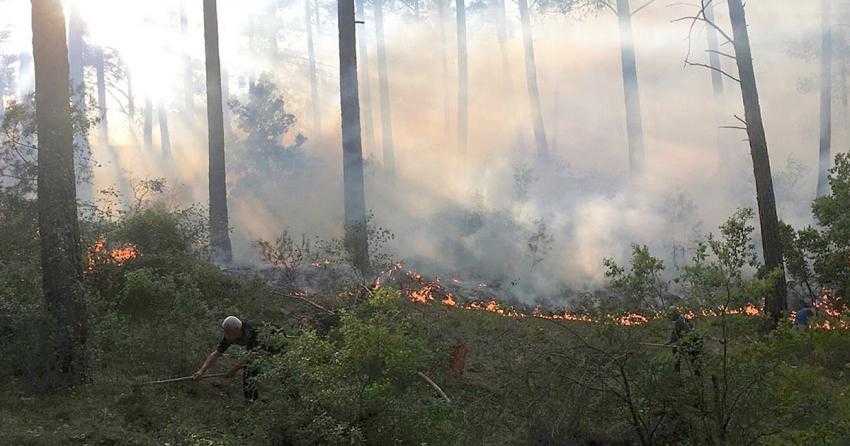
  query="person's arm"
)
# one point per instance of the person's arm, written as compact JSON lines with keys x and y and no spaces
{"x":209,"y":362}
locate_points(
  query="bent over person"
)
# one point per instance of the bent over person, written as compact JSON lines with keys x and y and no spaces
{"x":241,"y":333}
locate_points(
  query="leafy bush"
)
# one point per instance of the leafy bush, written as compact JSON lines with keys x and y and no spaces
{"x":359,"y":385}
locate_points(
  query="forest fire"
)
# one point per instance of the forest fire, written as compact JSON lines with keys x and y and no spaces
{"x":421,"y":291}
{"x":99,"y":253}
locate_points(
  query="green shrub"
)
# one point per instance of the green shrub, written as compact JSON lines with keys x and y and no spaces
{"x":359,"y":385}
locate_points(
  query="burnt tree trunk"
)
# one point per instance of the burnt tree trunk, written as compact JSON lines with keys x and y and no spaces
{"x":365,"y":80}
{"x":531,"y":81}
{"x":219,"y":230}
{"x":100,"y":70}
{"x":61,"y":254}
{"x":164,"y":134}
{"x":825,"y":152}
{"x":634,"y":119}
{"x":462,"y":81}
{"x":776,"y":303}
{"x":313,"y":74}
{"x":384,"y":92}
{"x":352,"y":151}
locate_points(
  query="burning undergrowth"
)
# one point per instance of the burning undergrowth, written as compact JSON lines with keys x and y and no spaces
{"x":477,"y":296}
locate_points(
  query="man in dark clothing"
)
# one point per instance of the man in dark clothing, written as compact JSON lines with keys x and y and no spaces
{"x":240,"y":333}
{"x":801,"y":319}
{"x":686,"y":342}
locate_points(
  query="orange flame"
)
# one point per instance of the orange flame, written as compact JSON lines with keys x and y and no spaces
{"x":99,"y":254}
{"x":424,"y":292}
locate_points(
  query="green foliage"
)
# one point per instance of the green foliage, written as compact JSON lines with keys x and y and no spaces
{"x":359,"y":385}
{"x":716,"y":275}
{"x":818,"y":254}
{"x":642,"y":286}
{"x":18,"y":145}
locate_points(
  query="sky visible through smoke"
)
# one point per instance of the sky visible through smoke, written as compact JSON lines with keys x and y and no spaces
{"x":583,"y":199}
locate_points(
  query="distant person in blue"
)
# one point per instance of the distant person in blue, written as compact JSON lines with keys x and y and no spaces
{"x":804,"y":315}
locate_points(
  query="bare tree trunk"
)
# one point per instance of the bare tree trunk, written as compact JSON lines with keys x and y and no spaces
{"x":352,"y":152}
{"x":443,"y":17}
{"x":164,"y":134}
{"x":462,"y":81}
{"x":825,"y":158}
{"x":188,"y":83}
{"x":101,"y":96}
{"x":61,"y":254}
{"x":76,"y":57}
{"x":713,"y":52}
{"x":384,"y":91}
{"x":148,"y":126}
{"x":716,"y":82}
{"x":365,"y":79}
{"x":634,"y":119}
{"x":219,"y":230}
{"x":531,"y":81}
{"x":776,"y":304}
{"x":311,"y":57}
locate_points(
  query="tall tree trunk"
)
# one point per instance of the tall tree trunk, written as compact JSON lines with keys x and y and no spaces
{"x":148,"y":126}
{"x":188,"y":83}
{"x":219,"y":230}
{"x":462,"y":81}
{"x":716,"y":83}
{"x":76,"y":57}
{"x":384,"y":91}
{"x":101,"y":96}
{"x":311,"y":58}
{"x":443,"y":17}
{"x":634,"y":120}
{"x":365,"y":79}
{"x":164,"y":134}
{"x":713,"y":52}
{"x":776,"y":304}
{"x":352,"y":152}
{"x":61,"y":254}
{"x":825,"y":158}
{"x":531,"y":81}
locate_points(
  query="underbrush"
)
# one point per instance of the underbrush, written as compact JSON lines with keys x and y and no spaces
{"x":385,"y":370}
